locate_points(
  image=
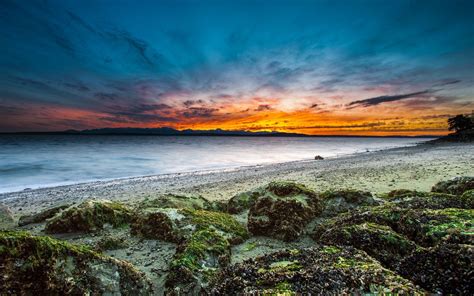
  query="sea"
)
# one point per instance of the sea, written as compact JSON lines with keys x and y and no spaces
{"x":34,"y":161}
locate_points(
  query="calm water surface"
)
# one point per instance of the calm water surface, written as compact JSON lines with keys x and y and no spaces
{"x":40,"y":160}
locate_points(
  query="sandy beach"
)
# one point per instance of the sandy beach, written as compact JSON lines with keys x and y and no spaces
{"x":414,"y":168}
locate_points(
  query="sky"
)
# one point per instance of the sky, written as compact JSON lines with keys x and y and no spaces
{"x":314,"y":67}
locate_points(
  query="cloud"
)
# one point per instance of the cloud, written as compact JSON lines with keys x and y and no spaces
{"x":263,"y":107}
{"x":384,"y":99}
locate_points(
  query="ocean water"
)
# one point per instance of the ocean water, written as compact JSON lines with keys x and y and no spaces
{"x":43,"y":160}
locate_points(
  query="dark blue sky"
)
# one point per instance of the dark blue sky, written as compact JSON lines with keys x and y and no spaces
{"x":83,"y":64}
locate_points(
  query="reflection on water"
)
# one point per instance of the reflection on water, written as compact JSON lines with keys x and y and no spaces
{"x":40,"y":160}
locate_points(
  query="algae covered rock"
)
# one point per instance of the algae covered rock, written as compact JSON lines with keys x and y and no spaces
{"x":162,"y":224}
{"x":426,"y":200}
{"x":177,"y":202}
{"x":34,"y":264}
{"x":380,"y":242}
{"x":242,"y":201}
{"x":339,"y":201}
{"x":456,"y":186}
{"x":207,"y":249}
{"x":89,"y":216}
{"x":318,"y":270}
{"x":445,"y":269}
{"x":424,"y":226}
{"x":283,"y":210}
{"x":41,"y":216}
{"x":6,"y":217}
{"x":468,"y":199}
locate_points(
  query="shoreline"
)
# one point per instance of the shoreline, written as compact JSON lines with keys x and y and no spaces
{"x":194,"y":172}
{"x":412,"y":167}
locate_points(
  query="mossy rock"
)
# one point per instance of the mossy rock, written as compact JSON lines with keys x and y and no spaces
{"x":283,"y":211}
{"x":242,"y":201}
{"x":318,"y":270}
{"x":339,"y":201}
{"x":444,"y":269}
{"x":6,"y":218}
{"x":41,"y":216}
{"x":90,"y":216}
{"x":429,"y":227}
{"x":177,"y":202}
{"x":223,"y":222}
{"x":196,"y":262}
{"x":468,"y":199}
{"x":200,"y":255}
{"x":456,"y":186}
{"x":426,"y":200}
{"x":38,"y":264}
{"x":426,"y":227}
{"x":162,"y":224}
{"x":379,"y":241}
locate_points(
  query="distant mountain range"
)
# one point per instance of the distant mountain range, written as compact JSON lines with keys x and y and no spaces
{"x":167,"y":131}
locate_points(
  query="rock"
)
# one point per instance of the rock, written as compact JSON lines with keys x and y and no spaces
{"x":41,"y":216}
{"x":425,"y":227}
{"x":283,"y":210}
{"x":162,"y":224}
{"x":427,"y":200}
{"x":242,"y":201}
{"x":380,"y":242}
{"x":468,"y":199}
{"x":35,"y":264}
{"x":90,"y":216}
{"x":177,"y":202}
{"x":318,"y":270}
{"x":456,"y":186}
{"x":444,"y":269}
{"x":6,"y":217}
{"x":201,"y":254}
{"x":318,"y":157}
{"x":335,"y":202}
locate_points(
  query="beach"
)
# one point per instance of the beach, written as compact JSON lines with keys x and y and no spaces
{"x":415,"y":168}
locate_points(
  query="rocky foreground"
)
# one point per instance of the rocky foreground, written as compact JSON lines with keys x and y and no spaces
{"x":333,"y":242}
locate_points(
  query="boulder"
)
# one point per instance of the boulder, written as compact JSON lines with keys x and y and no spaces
{"x":318,"y":270}
{"x":90,"y":216}
{"x":6,"y":217}
{"x":35,"y":264}
{"x":161,"y":224}
{"x":283,"y":210}
{"x":339,"y":201}
{"x":425,"y":227}
{"x":456,"y":186}
{"x":41,"y":216}
{"x":380,"y":242}
{"x":445,"y":269}
{"x":318,"y":157}
{"x":426,"y":200}
{"x":242,"y":201}
{"x":202,"y":253}
{"x":177,"y":202}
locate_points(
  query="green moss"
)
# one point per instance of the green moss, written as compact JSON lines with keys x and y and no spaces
{"x":221,"y":221}
{"x":284,"y":189}
{"x":330,"y":250}
{"x":282,"y":267}
{"x":458,"y":220}
{"x":202,"y":243}
{"x":249,"y":247}
{"x":90,"y":216}
{"x":349,"y":195}
{"x":344,"y":262}
{"x":18,"y":243}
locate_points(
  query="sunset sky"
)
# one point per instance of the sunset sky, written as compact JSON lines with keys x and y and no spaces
{"x":315,"y":67}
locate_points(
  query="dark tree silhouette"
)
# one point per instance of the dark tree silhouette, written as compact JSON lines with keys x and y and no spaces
{"x":460,"y":123}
